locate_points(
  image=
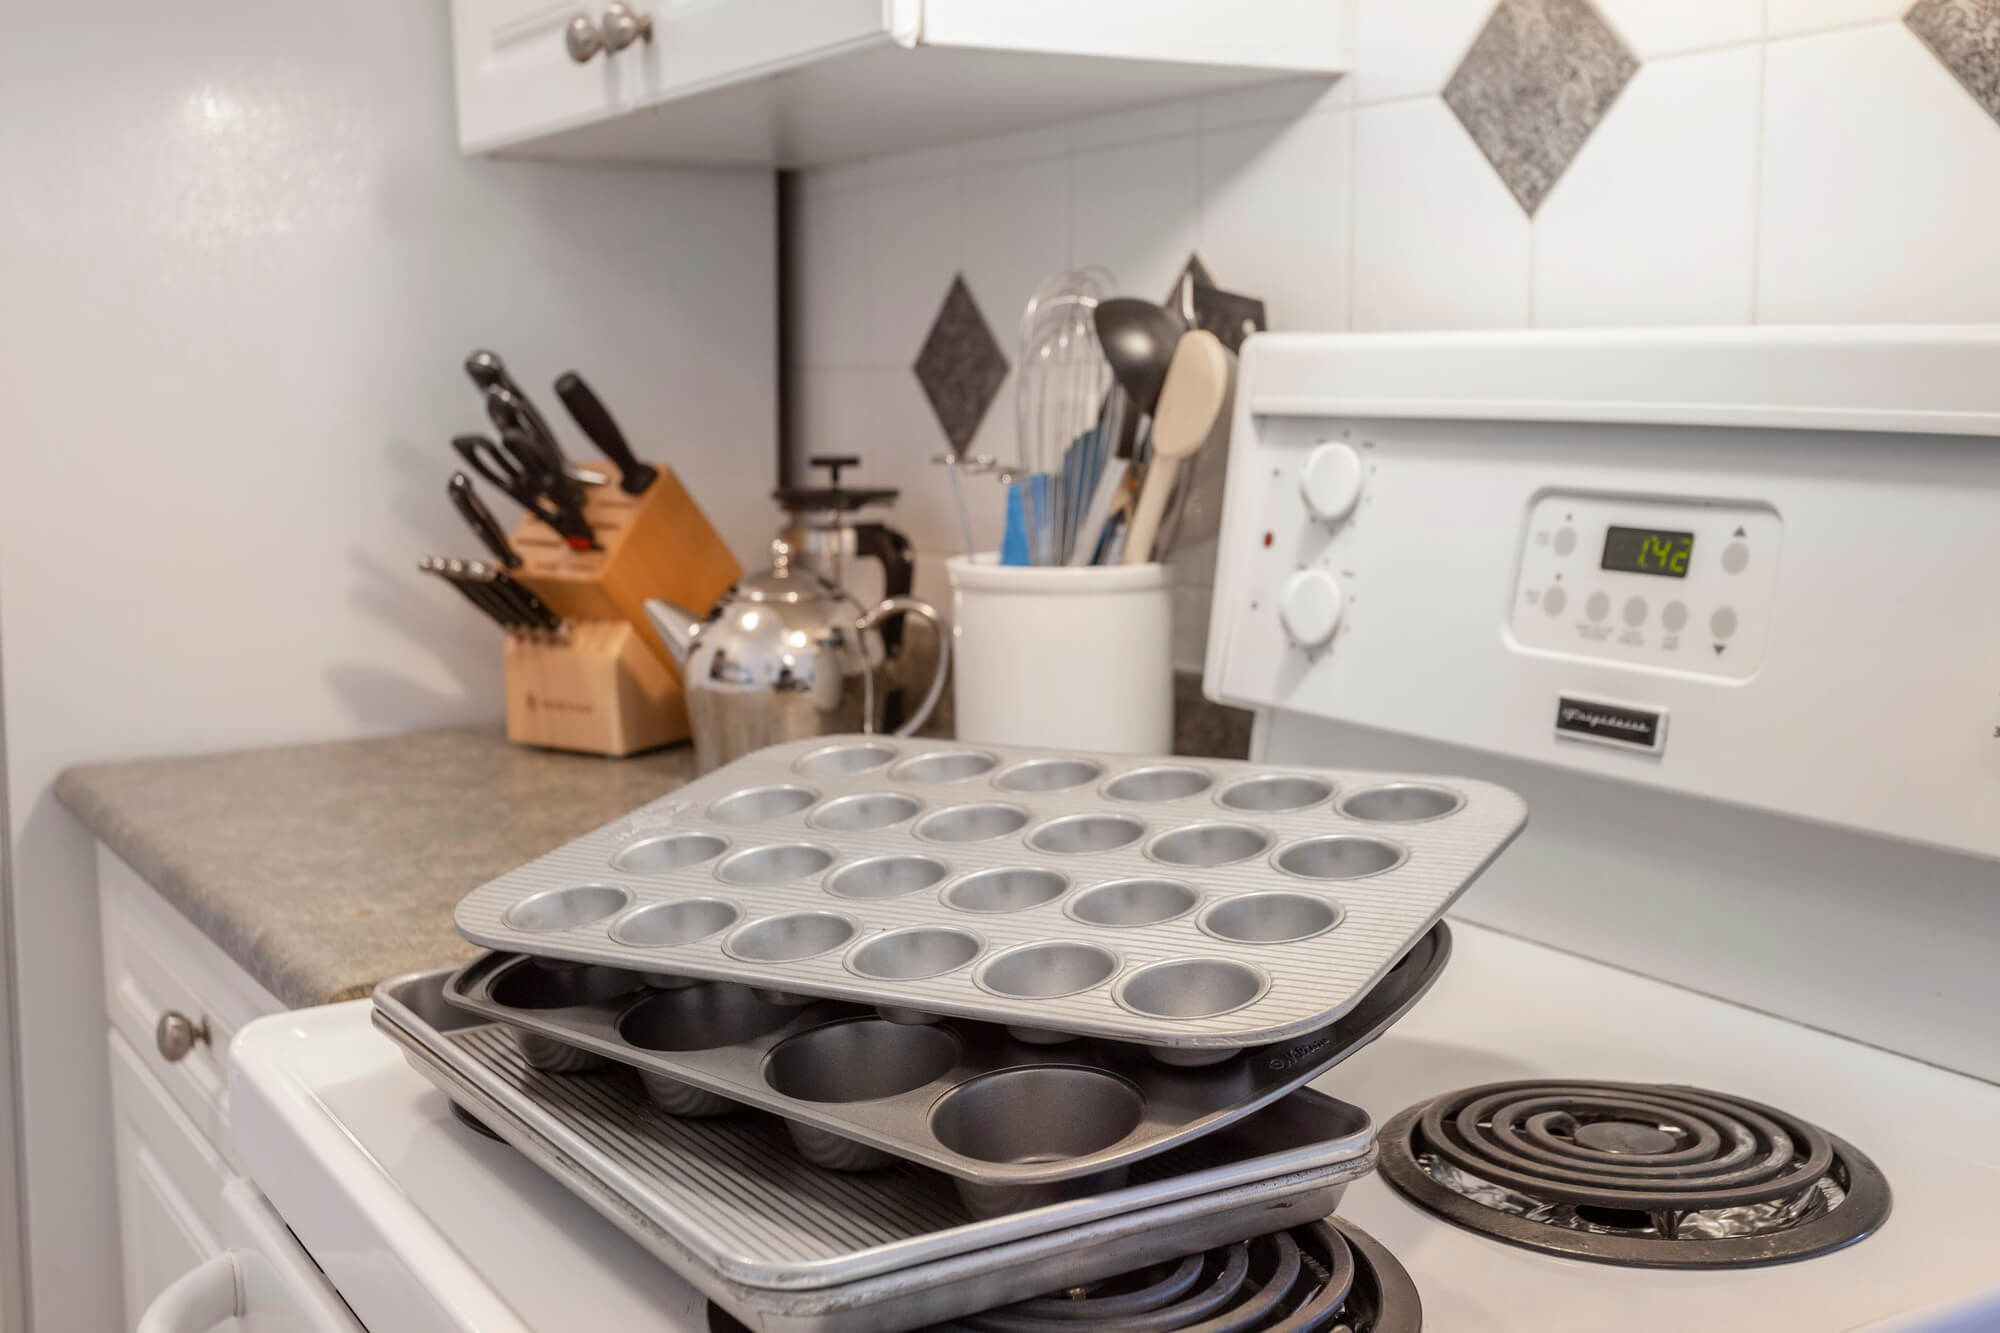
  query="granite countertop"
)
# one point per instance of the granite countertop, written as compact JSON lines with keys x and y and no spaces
{"x":322,"y":869}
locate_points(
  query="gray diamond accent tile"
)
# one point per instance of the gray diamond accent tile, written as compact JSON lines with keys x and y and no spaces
{"x":961,"y":366}
{"x":1538,"y":79}
{"x":1965,"y":35}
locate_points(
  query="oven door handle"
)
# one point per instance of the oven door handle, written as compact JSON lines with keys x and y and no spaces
{"x":197,"y":1300}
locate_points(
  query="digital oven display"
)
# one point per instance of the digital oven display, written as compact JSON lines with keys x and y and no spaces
{"x":1647,"y":551}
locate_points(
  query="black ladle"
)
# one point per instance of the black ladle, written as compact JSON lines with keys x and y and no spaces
{"x":1138,"y":339}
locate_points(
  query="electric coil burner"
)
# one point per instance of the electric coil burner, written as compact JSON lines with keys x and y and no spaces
{"x":1647,"y":1175}
{"x":1326,"y":1276}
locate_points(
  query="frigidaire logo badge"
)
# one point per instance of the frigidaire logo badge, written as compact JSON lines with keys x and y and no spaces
{"x":1617,"y":724}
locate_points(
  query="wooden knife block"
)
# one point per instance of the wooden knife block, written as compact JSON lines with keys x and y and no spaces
{"x":598,"y":689}
{"x":610,"y":686}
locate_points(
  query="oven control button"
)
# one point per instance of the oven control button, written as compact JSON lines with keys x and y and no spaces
{"x":1310,"y":607}
{"x":1331,"y":481}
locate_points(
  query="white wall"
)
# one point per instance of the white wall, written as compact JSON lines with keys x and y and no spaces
{"x":242,"y":262}
{"x":1812,"y":164}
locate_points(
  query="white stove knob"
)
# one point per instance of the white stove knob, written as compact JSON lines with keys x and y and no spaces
{"x":1331,"y":481}
{"x":1310,"y":607}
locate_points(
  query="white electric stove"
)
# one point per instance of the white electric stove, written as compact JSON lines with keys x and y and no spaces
{"x":1718,"y":604}
{"x":426,"y":1226}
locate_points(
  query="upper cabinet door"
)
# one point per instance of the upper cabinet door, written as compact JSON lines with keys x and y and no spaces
{"x":698,"y":45}
{"x":517,"y":77}
{"x":799,"y":82}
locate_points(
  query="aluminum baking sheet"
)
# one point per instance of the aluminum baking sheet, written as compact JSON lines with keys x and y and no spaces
{"x":1177,"y":903}
{"x":726,"y":1204}
{"x":952,"y":1113}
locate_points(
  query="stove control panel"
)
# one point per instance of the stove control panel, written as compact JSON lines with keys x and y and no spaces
{"x":1749,"y":567}
{"x":1672,"y":585}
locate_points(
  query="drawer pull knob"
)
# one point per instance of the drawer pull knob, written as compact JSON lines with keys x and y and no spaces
{"x":621,"y":27}
{"x":582,"y":40}
{"x":177,"y":1034}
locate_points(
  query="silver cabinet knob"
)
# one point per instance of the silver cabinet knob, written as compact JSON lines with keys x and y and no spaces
{"x":582,"y":39}
{"x":621,"y":27}
{"x":177,"y":1034}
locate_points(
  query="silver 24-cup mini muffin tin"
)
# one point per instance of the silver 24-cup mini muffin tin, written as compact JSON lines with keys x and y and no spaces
{"x":1192,"y":906}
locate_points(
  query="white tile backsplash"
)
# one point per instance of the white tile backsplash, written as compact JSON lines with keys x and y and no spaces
{"x":832,"y":247}
{"x":1277,"y":207}
{"x":1135,"y":209}
{"x":1439,"y":243}
{"x":915,"y":235}
{"x":1786,"y":17}
{"x":1747,"y":172}
{"x":1665,"y":27}
{"x":1875,"y":208}
{"x":906,"y":440}
{"x":1017,"y":226}
{"x":1655,"y":220}
{"x":1403,"y":48}
{"x":836,"y":415}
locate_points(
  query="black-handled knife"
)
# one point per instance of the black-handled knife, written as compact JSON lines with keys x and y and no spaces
{"x":486,"y":370}
{"x":512,"y":415}
{"x":480,"y":519}
{"x":591,"y":415}
{"x":488,"y":373}
{"x":533,"y":610}
{"x":509,"y":470}
{"x":439,"y":566}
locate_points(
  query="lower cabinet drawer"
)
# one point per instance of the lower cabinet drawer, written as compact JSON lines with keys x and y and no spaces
{"x":159,"y":966}
{"x":170,"y":1181}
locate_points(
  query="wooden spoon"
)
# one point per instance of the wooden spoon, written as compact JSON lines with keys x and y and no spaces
{"x":1195,"y":394}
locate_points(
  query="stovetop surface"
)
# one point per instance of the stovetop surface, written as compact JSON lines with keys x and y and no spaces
{"x":1507,"y":1009}
{"x":435,"y":1229}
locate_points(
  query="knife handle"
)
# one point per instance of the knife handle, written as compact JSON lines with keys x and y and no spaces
{"x":523,"y":597}
{"x":480,"y":519}
{"x":438,"y":566}
{"x":487,"y":371}
{"x":589,"y":413}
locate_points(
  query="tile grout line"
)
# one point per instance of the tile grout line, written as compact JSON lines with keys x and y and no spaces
{"x":1757,"y":172}
{"x":1353,"y":209}
{"x":1534,"y":230}
{"x":1856,"y":25}
{"x":1200,"y":145}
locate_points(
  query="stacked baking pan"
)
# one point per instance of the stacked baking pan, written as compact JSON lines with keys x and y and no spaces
{"x":859,"y":1033}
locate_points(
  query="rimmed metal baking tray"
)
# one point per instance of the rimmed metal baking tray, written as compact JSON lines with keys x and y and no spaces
{"x":796,"y":1249}
{"x":955,"y":1112}
{"x":1182,"y":904}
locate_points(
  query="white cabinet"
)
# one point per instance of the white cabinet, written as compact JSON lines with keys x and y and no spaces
{"x":515,"y":74}
{"x":170,"y":1111}
{"x":797,"y":82}
{"x":169,"y":1183}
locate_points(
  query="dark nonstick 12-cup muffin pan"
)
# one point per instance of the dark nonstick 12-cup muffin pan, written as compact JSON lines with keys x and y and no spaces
{"x":790,"y":1248}
{"x":1016,"y":1124}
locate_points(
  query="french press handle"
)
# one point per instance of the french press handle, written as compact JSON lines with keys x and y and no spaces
{"x":899,"y":569}
{"x":891,"y":606}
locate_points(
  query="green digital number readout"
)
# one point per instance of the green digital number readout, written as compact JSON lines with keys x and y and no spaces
{"x":1647,"y":551}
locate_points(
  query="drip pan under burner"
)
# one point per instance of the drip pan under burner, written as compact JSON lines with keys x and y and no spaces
{"x":1327,"y":1276}
{"x":1644,"y":1175}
